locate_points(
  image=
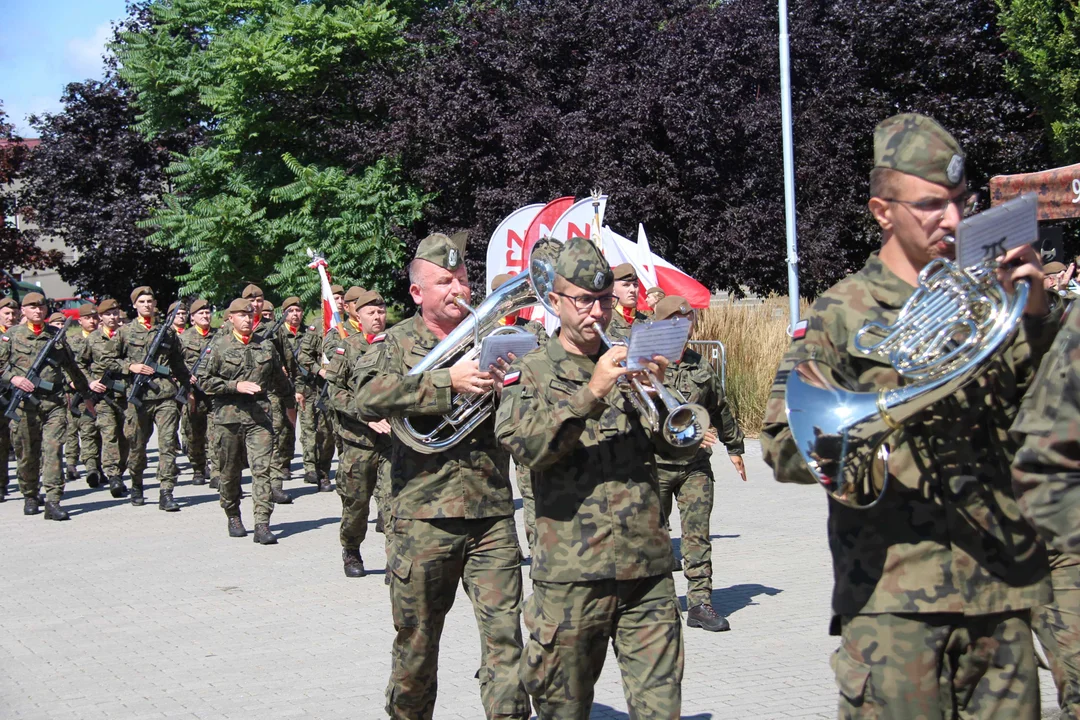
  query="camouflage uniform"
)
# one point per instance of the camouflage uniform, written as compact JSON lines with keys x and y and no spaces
{"x":101,"y":354}
{"x":316,"y":430}
{"x":39,"y":432}
{"x":1046,"y":478}
{"x":159,"y":407}
{"x":282,"y":398}
{"x":83,"y":440}
{"x":244,"y":423}
{"x":453,"y":522}
{"x":192,"y":345}
{"x":691,"y":479}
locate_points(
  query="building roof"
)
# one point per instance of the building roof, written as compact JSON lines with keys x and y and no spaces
{"x":28,"y":143}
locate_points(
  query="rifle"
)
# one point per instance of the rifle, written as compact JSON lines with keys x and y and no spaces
{"x":183,"y":393}
{"x":111,"y":382}
{"x":144,"y":382}
{"x":43,"y":358}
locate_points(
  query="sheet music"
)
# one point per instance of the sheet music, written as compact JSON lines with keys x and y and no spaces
{"x":657,"y":337}
{"x":494,"y":347}
{"x":991,"y":233}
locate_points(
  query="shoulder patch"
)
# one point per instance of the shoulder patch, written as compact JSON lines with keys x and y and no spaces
{"x":339,"y":350}
{"x":800,"y":330}
{"x":511,"y":378}
{"x":5,"y":338}
{"x":378,"y":338}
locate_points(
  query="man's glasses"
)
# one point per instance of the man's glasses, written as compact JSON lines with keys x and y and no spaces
{"x":939,"y":206}
{"x":584,"y":303}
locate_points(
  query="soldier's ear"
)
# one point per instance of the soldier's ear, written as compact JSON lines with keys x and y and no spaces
{"x":882,"y":211}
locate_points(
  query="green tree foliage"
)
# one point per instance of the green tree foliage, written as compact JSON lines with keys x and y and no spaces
{"x":259,"y":191}
{"x":1044,"y":35}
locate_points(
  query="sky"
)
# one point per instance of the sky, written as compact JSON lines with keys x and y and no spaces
{"x":46,"y":44}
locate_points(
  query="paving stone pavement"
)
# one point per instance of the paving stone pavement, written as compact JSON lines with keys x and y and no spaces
{"x":128,"y":613}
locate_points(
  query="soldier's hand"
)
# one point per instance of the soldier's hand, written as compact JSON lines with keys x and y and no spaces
{"x":608,"y":370}
{"x":191,"y":402}
{"x":248,"y":388}
{"x":1023,"y":262}
{"x":23,"y":384}
{"x":466,"y":377}
{"x":290,"y":413}
{"x":98,"y":386}
{"x":740,"y":466}
{"x":299,"y":401}
{"x":710,"y":439}
{"x":91,"y":407}
{"x":140,"y":369}
{"x":498,"y":372}
{"x":322,"y":373}
{"x":380,"y":426}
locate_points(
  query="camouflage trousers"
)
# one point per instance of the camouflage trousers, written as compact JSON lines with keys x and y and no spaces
{"x":692,"y":486}
{"x":357,"y":478}
{"x":139,"y":425}
{"x":114,"y":440}
{"x":5,"y":448}
{"x":430,"y":558}
{"x":39,"y":445}
{"x":247,"y":442}
{"x":195,"y":431}
{"x":937,"y":666}
{"x":316,"y":436}
{"x":284,"y":447}
{"x":82,"y":442}
{"x":1057,"y":625}
{"x":570,"y":625}
{"x":528,"y":503}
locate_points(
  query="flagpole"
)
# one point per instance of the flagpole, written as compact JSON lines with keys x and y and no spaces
{"x":789,"y":170}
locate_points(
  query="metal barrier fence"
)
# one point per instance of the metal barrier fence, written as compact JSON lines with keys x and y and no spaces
{"x":715,"y":354}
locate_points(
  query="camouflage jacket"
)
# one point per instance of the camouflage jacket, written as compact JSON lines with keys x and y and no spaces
{"x":77,"y":342}
{"x":290,"y":344}
{"x":134,"y":339}
{"x":469,"y":480}
{"x":536,"y":328}
{"x":101,"y":354}
{"x":593,"y":471}
{"x":308,"y":363}
{"x":1046,"y":470}
{"x":193,"y":344}
{"x":339,"y":375}
{"x":698,"y":383}
{"x":231,"y":362}
{"x":19,"y":347}
{"x":948,"y":535}
{"x":334,"y":348}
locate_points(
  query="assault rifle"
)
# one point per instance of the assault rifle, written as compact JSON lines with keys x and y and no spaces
{"x":183,"y":393}
{"x":142,"y":383}
{"x":111,"y":382}
{"x":44,"y":357}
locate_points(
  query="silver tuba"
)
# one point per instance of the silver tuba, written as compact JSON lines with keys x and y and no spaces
{"x":946,"y":334}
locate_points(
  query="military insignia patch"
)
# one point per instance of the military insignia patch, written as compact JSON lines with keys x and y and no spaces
{"x":452,"y":257}
{"x":5,"y":338}
{"x":339,"y":351}
{"x":799,"y":332}
{"x":378,"y":338}
{"x":511,"y":378}
{"x":598,"y":281}
{"x":955,"y":171}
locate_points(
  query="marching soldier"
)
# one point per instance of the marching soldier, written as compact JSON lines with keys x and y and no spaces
{"x":654,"y":295}
{"x":690,"y":479}
{"x":242,"y":374}
{"x":82,"y":434}
{"x":288,"y":341}
{"x":193,"y":344}
{"x":105,"y":364}
{"x":338,"y":293}
{"x":316,"y":432}
{"x":57,"y":320}
{"x":180,"y":319}
{"x":159,"y":408}
{"x":9,"y":313}
{"x":935,"y":583}
{"x":334,"y":349}
{"x":602,"y":556}
{"x":452,"y":511}
{"x":625,"y":292}
{"x":39,"y":431}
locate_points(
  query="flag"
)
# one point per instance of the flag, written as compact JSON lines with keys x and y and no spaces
{"x":671,"y":279}
{"x":331,"y":317}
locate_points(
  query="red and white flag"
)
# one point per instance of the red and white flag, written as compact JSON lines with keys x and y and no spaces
{"x":331,"y":317}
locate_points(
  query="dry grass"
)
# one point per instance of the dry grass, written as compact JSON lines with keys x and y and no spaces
{"x":755,"y":337}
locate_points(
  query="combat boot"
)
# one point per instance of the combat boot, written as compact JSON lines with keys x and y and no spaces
{"x":53,"y":511}
{"x":117,"y":488}
{"x":69,"y":474}
{"x":280,"y":497}
{"x":236,"y":527}
{"x":704,"y":617}
{"x":311,"y":478}
{"x":263,"y":536}
{"x":214,"y":482}
{"x":197,"y":478}
{"x":379,"y":526}
{"x":137,"y":497}
{"x":31,"y":506}
{"x":324,"y":484}
{"x":93,"y":479}
{"x":166,"y":502}
{"x":354,"y":564}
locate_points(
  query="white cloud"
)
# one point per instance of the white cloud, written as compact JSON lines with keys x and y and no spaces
{"x":83,"y":55}
{"x":19,"y":109}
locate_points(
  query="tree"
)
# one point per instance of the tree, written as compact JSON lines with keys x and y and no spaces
{"x":92,"y":180}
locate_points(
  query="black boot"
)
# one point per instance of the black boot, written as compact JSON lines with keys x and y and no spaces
{"x":53,"y":511}
{"x":117,"y":488}
{"x":213,"y":482}
{"x":354,"y":564}
{"x":379,"y":526}
{"x":236,"y":527}
{"x":280,"y":497}
{"x":166,"y":502}
{"x":198,"y":478}
{"x":263,"y":536}
{"x":311,"y":478}
{"x":324,"y":484}
{"x":31,"y":506}
{"x":137,"y":497}
{"x":69,"y":473}
{"x":704,"y":617}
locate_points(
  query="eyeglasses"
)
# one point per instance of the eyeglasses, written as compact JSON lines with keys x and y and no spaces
{"x":932,"y":206}
{"x":584,"y":303}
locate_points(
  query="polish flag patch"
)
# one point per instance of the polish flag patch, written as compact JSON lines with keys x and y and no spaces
{"x":800,"y":331}
{"x":339,"y":351}
{"x":378,"y":338}
{"x":511,"y":377}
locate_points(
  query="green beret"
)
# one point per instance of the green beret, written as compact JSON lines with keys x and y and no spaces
{"x":624,"y":272}
{"x":916,"y":145}
{"x":198,"y":305}
{"x":173,"y":306}
{"x":498,"y":280}
{"x":88,"y":310}
{"x":34,"y":298}
{"x":354,"y":292}
{"x":337,"y":290}
{"x":581,"y":263}
{"x":369,"y":297}
{"x":252,"y":291}
{"x":442,"y":251}
{"x":240,"y":305}
{"x":57,"y":317}
{"x":140,"y":291}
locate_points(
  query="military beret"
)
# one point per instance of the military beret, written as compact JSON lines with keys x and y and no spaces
{"x":8,"y":302}
{"x":916,"y":145}
{"x":267,"y":306}
{"x":106,"y":305}
{"x":289,"y":302}
{"x":369,"y":297}
{"x":173,"y":305}
{"x":656,"y":289}
{"x":581,"y":263}
{"x":88,"y":310}
{"x":57,"y":317}
{"x":624,"y":272}
{"x":498,"y":280}
{"x":354,"y":292}
{"x":140,"y":291}
{"x":1052,"y":268}
{"x":240,"y":305}
{"x":34,"y":298}
{"x":671,"y":305}
{"x":448,"y":253}
{"x":252,"y":291}
{"x":198,"y":305}
{"x":337,"y":290}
